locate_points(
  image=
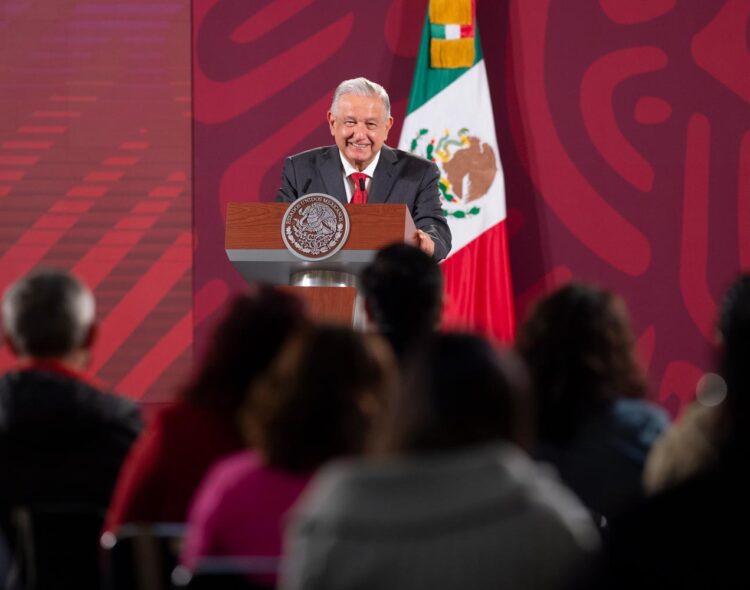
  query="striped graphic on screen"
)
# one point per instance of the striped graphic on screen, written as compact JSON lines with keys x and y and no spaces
{"x":95,"y":116}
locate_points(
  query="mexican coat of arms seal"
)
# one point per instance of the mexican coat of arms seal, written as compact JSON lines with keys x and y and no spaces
{"x":315,"y":227}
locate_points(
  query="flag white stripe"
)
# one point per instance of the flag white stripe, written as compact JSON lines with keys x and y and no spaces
{"x":464,"y":103}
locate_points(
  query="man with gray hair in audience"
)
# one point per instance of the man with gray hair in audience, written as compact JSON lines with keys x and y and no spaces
{"x":361,"y":169}
{"x":62,"y":440}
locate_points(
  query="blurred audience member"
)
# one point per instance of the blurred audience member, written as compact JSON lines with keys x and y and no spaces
{"x":687,"y":536}
{"x":685,"y":449}
{"x":594,"y":424}
{"x":168,"y":462}
{"x":451,"y":500}
{"x":316,"y":404}
{"x":62,"y":440}
{"x":403,"y":291}
{"x":694,"y":442}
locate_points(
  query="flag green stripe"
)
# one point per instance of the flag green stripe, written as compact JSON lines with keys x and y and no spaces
{"x":437,"y":31}
{"x":430,"y":81}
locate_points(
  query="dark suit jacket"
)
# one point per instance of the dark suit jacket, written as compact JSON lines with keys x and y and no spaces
{"x":400,"y":177}
{"x":61,"y":439}
{"x":61,"y":445}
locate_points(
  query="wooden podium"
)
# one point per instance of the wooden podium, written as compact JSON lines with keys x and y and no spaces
{"x":256,"y":249}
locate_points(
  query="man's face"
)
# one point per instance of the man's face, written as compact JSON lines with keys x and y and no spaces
{"x":360,"y":128}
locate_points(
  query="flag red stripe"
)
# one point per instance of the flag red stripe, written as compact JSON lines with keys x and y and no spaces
{"x":478,"y":290}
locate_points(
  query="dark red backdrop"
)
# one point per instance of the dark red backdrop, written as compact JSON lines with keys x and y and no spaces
{"x":95,"y":171}
{"x":624,"y":128}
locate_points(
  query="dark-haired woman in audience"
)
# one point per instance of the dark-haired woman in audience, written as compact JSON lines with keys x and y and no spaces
{"x":450,"y":500}
{"x":696,"y":441}
{"x":315,"y":404}
{"x":690,"y":534}
{"x":594,"y":422}
{"x":169,"y":460}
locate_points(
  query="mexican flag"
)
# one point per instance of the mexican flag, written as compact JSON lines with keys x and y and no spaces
{"x":449,"y":121}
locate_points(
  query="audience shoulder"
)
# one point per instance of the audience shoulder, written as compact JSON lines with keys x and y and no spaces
{"x":105,"y":406}
{"x":223,"y":483}
{"x":553,"y":503}
{"x":647,"y":420}
{"x":328,"y":495}
{"x":127,"y":408}
{"x":229,"y":472}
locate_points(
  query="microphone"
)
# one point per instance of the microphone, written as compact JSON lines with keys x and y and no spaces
{"x":362,"y":184}
{"x":307,"y":185}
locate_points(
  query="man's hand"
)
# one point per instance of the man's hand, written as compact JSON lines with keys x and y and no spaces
{"x":424,"y":242}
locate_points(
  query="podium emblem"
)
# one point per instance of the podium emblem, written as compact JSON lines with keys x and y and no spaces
{"x":315,"y":227}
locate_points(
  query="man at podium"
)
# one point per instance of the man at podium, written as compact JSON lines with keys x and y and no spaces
{"x":361,"y":169}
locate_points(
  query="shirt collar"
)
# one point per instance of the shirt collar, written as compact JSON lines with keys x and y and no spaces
{"x":349,"y":169}
{"x":55,"y":366}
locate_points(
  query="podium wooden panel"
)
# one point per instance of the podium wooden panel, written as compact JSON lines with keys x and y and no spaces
{"x":333,"y":305}
{"x":256,"y":249}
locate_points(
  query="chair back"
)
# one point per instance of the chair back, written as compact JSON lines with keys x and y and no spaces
{"x":141,"y":556}
{"x":55,"y":546}
{"x":228,"y":573}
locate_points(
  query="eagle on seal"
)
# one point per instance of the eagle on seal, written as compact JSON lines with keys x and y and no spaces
{"x":318,"y":219}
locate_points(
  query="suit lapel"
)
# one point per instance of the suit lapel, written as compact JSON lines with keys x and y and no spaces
{"x":384,"y":177}
{"x":332,"y":174}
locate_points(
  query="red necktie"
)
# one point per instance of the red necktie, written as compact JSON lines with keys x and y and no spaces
{"x":360,"y":194}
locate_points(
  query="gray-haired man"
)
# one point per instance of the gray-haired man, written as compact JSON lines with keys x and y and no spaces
{"x":62,"y":440}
